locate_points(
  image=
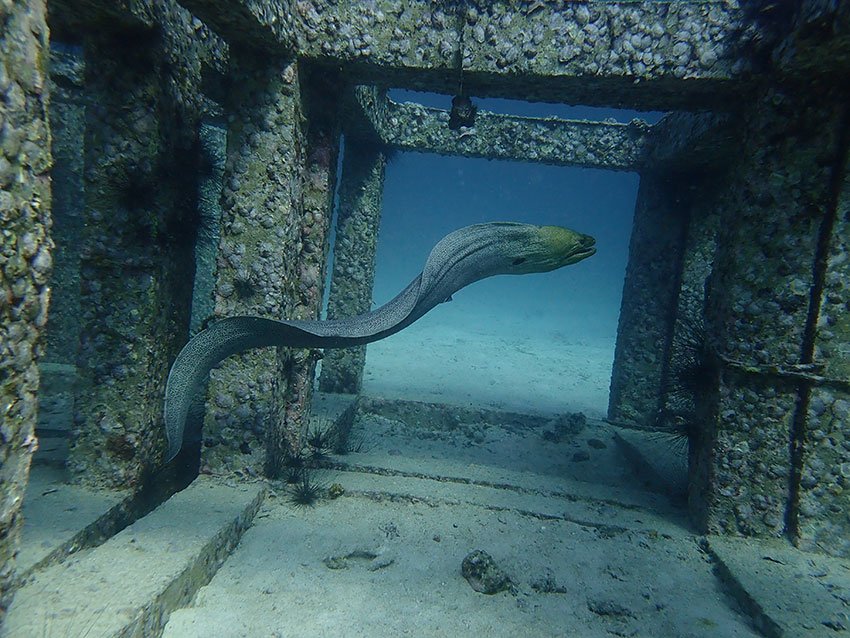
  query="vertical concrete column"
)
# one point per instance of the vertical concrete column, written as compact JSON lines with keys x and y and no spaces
{"x":58,"y":367}
{"x":689,"y":370}
{"x":134,"y":260}
{"x":257,"y":262}
{"x":758,"y":313}
{"x":294,"y":391}
{"x":700,"y":245}
{"x":358,"y":219}
{"x":213,"y":150}
{"x":25,"y":257}
{"x":649,"y":301}
{"x":823,"y":501}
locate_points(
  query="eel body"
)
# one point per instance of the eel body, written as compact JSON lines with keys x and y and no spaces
{"x":459,"y":259}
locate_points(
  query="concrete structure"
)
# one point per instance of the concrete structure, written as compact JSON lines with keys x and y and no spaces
{"x":25,"y":256}
{"x":354,"y":259}
{"x":741,"y":219}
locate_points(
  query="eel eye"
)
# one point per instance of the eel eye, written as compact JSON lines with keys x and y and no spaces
{"x":518,"y":261}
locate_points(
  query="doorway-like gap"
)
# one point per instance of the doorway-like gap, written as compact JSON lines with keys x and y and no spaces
{"x":538,"y":343}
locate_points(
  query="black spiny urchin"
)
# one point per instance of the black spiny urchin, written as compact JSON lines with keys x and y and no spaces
{"x":693,"y":365}
{"x":306,"y":491}
{"x":289,"y":466}
{"x":691,"y":375}
{"x":292,"y":475}
{"x":319,"y":441}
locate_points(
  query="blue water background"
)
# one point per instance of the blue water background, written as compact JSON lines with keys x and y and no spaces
{"x":426,"y":196}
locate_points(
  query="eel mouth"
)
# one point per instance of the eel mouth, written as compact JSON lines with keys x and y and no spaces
{"x":587,"y":248}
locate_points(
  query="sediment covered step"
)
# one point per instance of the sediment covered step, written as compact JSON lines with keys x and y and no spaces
{"x":127,"y":586}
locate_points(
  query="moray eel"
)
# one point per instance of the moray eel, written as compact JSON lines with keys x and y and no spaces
{"x":459,"y":259}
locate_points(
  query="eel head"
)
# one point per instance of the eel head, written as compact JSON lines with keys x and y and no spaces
{"x":551,"y":247}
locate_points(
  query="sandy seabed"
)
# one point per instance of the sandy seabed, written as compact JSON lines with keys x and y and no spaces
{"x":497,"y":365}
{"x":589,"y":551}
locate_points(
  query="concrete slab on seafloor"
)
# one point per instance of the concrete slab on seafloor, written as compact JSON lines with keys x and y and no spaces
{"x":128,"y":585}
{"x":59,"y":517}
{"x":788,"y":592}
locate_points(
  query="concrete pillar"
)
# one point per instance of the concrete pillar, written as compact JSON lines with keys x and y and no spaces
{"x":823,"y":499}
{"x":759,"y":314}
{"x":294,"y":390}
{"x":25,"y":257}
{"x":135,"y":253}
{"x":678,"y":387}
{"x":689,"y":371}
{"x":358,"y":220}
{"x":257,"y":265}
{"x":213,"y":148}
{"x":649,"y":301}
{"x":58,"y":367}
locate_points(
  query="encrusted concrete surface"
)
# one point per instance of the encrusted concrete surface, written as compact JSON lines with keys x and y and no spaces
{"x":133,"y":243}
{"x":359,"y":216}
{"x":824,"y":501}
{"x":60,"y":518}
{"x":412,"y":127}
{"x":824,"y":497}
{"x":788,"y":593}
{"x":689,"y":372}
{"x":293,"y":393}
{"x":261,"y":227}
{"x":682,"y":143}
{"x":25,"y":255}
{"x":817,"y":42}
{"x":630,"y":54}
{"x":67,"y":128}
{"x":649,"y":297}
{"x":58,"y":387}
{"x":57,"y":368}
{"x":128,"y":585}
{"x":134,"y":253}
{"x":759,"y":314}
{"x":685,"y":365}
{"x":212,"y":138}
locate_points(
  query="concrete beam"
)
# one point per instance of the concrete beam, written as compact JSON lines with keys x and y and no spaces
{"x":680,"y":142}
{"x":646,"y":55}
{"x":413,"y":127}
{"x":259,"y":24}
{"x":172,"y":552}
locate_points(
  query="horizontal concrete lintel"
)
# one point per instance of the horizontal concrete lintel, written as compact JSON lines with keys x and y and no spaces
{"x":257,"y":24}
{"x":583,"y":87}
{"x":680,"y":141}
{"x":413,"y":127}
{"x":645,"y":55}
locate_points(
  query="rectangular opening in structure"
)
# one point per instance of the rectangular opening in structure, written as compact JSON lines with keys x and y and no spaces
{"x":538,"y":343}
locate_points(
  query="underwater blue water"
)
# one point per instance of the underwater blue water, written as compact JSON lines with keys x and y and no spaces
{"x":427,"y":196}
